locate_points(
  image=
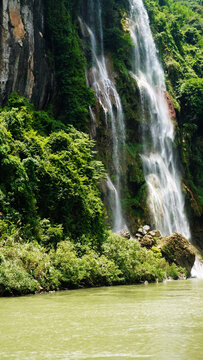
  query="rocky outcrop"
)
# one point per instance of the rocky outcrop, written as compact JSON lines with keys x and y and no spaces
{"x":125,"y":233}
{"x":146,"y":237}
{"x":197,"y":233}
{"x":175,"y":248}
{"x":24,"y":65}
{"x":171,"y":108}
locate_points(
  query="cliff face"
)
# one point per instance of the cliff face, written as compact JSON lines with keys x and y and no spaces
{"x":24,"y":65}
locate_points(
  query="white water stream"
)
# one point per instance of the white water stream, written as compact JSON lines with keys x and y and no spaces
{"x":165,"y":197}
{"x":99,"y":79}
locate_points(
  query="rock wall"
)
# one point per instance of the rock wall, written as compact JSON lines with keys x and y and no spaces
{"x":24,"y":65}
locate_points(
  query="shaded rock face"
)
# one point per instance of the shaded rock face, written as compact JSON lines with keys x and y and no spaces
{"x":175,"y":248}
{"x":24,"y":65}
{"x":197,"y":233}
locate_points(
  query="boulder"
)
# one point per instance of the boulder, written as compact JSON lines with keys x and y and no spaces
{"x":138,"y":235}
{"x":143,"y":230}
{"x":157,"y":233}
{"x":146,"y":228}
{"x":124,"y":233}
{"x":147,"y":241}
{"x":176,"y":248}
{"x":140,"y":231}
{"x":152,"y":233}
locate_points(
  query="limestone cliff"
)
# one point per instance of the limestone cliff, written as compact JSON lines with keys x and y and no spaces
{"x":24,"y":65}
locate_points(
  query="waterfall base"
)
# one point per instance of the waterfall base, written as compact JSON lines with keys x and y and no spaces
{"x":197,"y":270}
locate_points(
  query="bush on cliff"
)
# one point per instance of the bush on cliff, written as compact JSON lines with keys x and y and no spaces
{"x":73,"y":97}
{"x":53,"y":176}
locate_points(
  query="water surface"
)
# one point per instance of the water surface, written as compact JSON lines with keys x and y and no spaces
{"x":162,"y":321}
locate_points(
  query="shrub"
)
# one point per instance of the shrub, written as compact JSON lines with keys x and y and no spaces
{"x":191,"y":98}
{"x":89,"y":270}
{"x":25,"y":268}
{"x":14,"y":280}
{"x":135,"y":263}
{"x":52,"y":177}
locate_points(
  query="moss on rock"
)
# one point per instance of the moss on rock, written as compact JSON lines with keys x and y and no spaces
{"x":176,"y":248}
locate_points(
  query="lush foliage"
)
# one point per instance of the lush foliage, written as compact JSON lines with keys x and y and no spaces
{"x":73,"y":97}
{"x":52,"y":232}
{"x":30,"y":267}
{"x":49,"y":183}
{"x":191,"y":98}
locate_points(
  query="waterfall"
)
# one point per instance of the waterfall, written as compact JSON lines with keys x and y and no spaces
{"x":114,"y":202}
{"x":99,"y":79}
{"x":165,"y":197}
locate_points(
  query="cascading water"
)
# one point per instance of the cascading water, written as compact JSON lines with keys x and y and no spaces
{"x":99,"y":80}
{"x":165,"y":196}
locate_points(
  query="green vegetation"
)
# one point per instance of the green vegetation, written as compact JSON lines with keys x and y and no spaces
{"x":191,"y":98}
{"x":52,"y":176}
{"x":30,"y":267}
{"x":52,"y":227}
{"x":73,"y":97}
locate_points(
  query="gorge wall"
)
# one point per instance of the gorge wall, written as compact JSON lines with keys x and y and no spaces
{"x":24,"y":64}
{"x":42,"y":57}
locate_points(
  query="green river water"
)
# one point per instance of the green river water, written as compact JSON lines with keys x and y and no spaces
{"x":157,"y":321}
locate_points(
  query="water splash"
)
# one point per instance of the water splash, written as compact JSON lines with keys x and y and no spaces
{"x":197,"y":270}
{"x":114,"y":201}
{"x":165,"y":195}
{"x":100,"y":81}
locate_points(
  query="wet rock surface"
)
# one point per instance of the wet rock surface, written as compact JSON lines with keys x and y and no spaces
{"x":125,"y":233}
{"x":176,"y":248}
{"x":147,"y":241}
{"x":24,"y":65}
